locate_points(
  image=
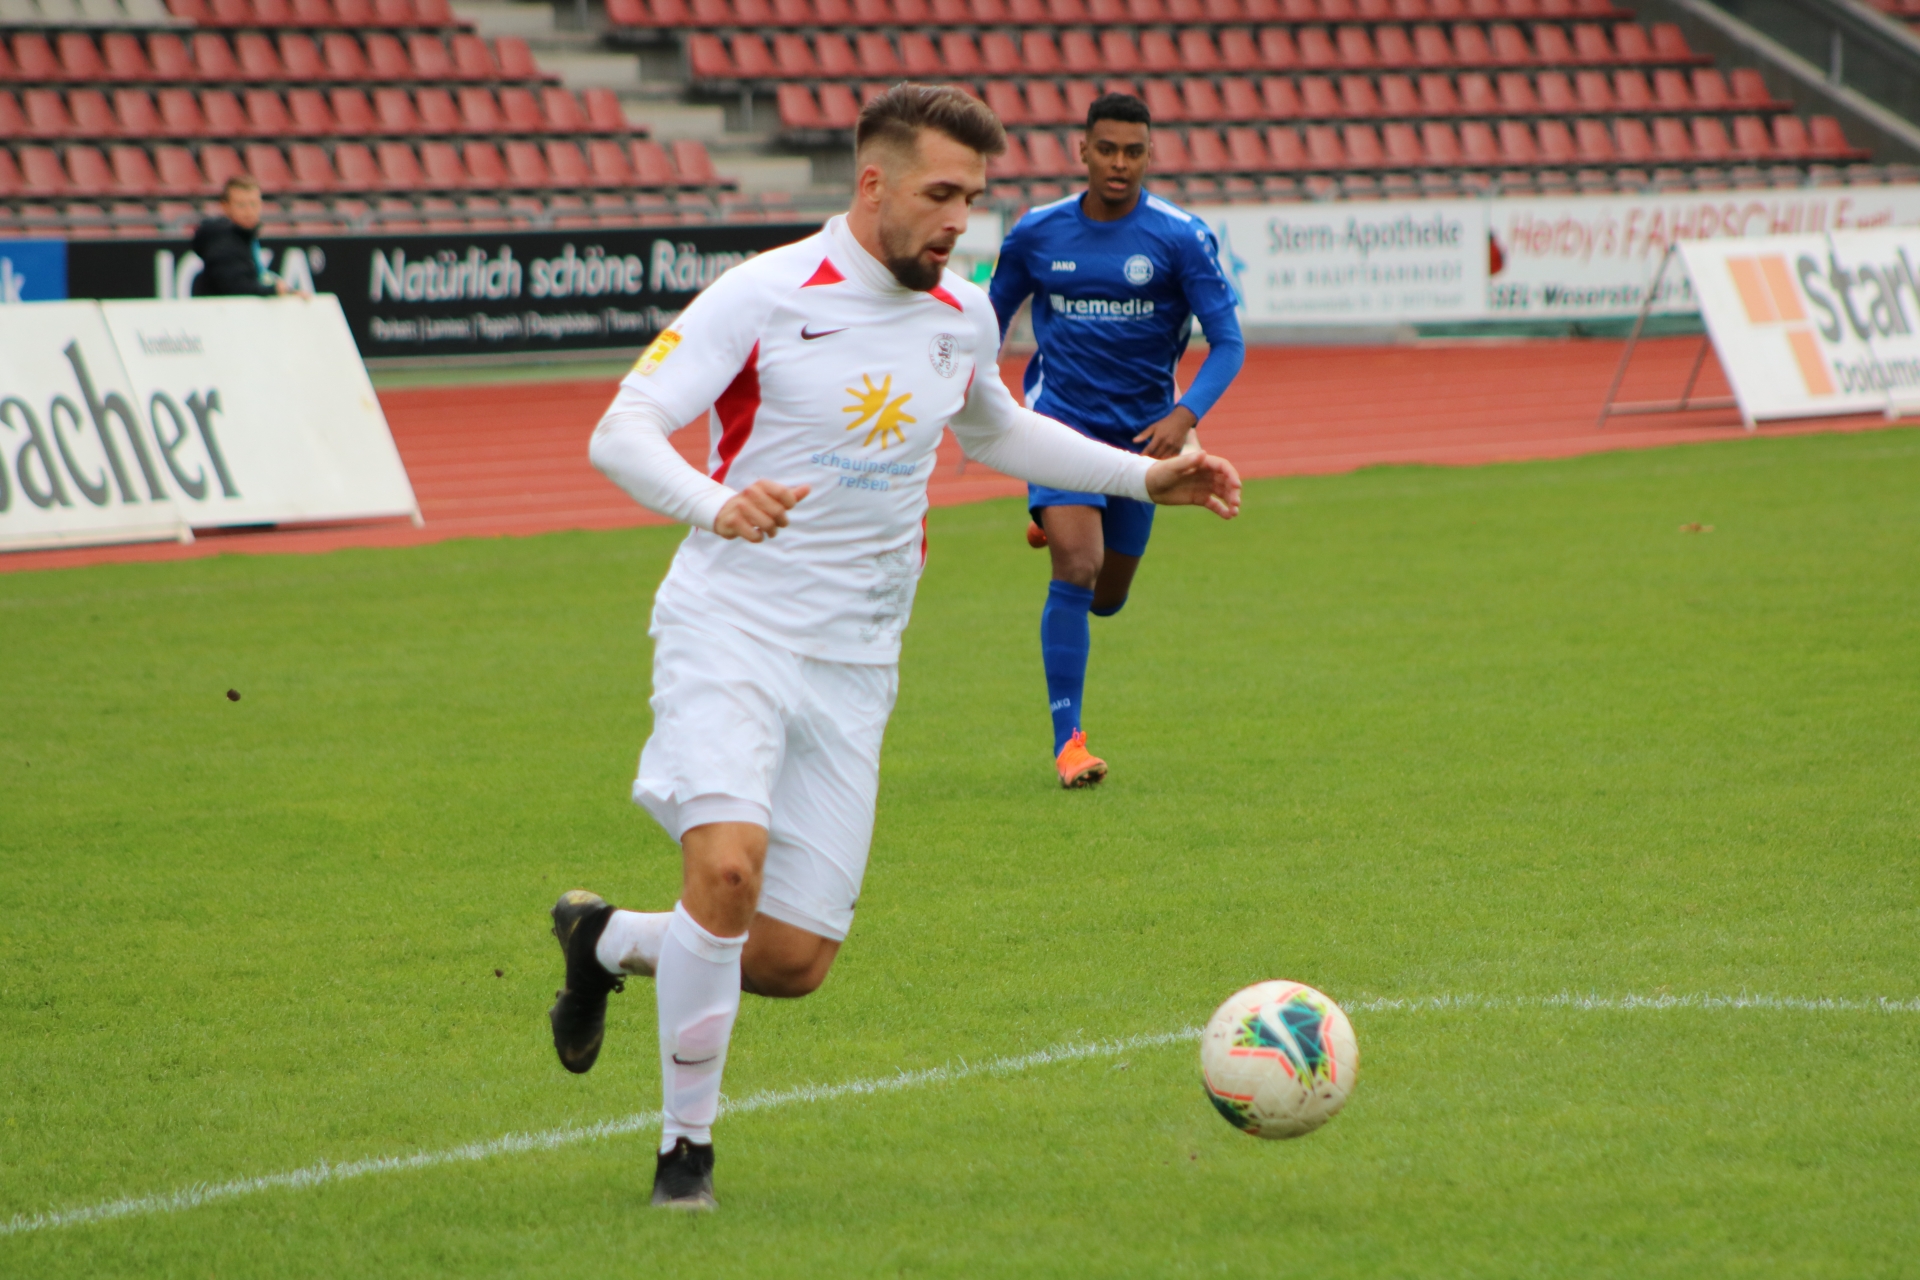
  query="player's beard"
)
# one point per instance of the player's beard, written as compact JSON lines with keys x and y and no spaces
{"x":909,"y":263}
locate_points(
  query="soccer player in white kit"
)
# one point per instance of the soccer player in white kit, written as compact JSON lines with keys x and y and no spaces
{"x":831,"y":367}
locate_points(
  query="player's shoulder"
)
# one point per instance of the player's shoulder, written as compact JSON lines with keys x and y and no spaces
{"x":967,"y":298}
{"x":1185,"y":232}
{"x":780,"y":269}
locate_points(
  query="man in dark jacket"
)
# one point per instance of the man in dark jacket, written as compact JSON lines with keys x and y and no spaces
{"x":230,"y":261}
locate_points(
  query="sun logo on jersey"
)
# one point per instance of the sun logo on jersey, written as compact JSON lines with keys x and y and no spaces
{"x":879,"y":406}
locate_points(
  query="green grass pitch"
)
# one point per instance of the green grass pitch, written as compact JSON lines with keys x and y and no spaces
{"x":1501,"y":733}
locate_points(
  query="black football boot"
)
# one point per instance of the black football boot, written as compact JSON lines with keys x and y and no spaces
{"x":683,"y":1178}
{"x":579,"y":1016}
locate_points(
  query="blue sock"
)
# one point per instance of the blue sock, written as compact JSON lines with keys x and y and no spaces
{"x":1063,"y":651}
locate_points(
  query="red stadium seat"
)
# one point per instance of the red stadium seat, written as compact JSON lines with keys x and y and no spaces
{"x":1470,"y":47}
{"x":835,"y":55}
{"x":999,"y":55}
{"x":797,"y":108}
{"x":1246,"y":152}
{"x":1556,"y":93}
{"x":1163,"y":102}
{"x":1239,"y":100}
{"x":1318,"y":100}
{"x":1551,"y":46}
{"x":1515,"y":94}
{"x":1430,"y":47}
{"x":608,"y":159}
{"x":1011,"y":164}
{"x":1357,"y":97}
{"x":1048,"y":159}
{"x":562,"y":111}
{"x":218,"y":162}
{"x":1669,"y":44}
{"x":921,"y":59}
{"x":1282,"y":100}
{"x":353,"y":168}
{"x":960,"y":54}
{"x":268,"y":167}
{"x":1003,"y":98}
{"x":1157,"y":53}
{"x":1277,"y":49}
{"x":712,"y":13}
{"x":168,"y":54}
{"x":520,"y":111}
{"x":225,"y":119}
{"x":392,"y":13}
{"x":1238,"y":52}
{"x":92,"y":116}
{"x":1594,"y":92}
{"x":1477,"y":143}
{"x":437,"y":112}
{"x":428,"y":56}
{"x":257,"y":57}
{"x":1710,"y":90}
{"x":1555,"y":142}
{"x":516,"y":59}
{"x":650,"y":164}
{"x":180,"y":114}
{"x":838,"y":106}
{"x":179,"y":173}
{"x":472,"y":60}
{"x":792,"y":56}
{"x":1197,"y":51}
{"x":1593,"y":143}
{"x":1750,"y":139}
{"x":604,"y":112}
{"x":1830,"y":140}
{"x":1355,"y":48}
{"x":353,"y":13}
{"x":1790,"y":140}
{"x":1045,"y":105}
{"x":1670,"y":91}
{"x":387,"y":58}
{"x":124,"y":57}
{"x":1590,"y":43}
{"x":1395,"y":49}
{"x":1080,"y":96}
{"x":399,"y":167}
{"x":88,"y":173}
{"x":1710,"y":141}
{"x":1317,"y":49}
{"x":1437,"y":97}
{"x":876,"y":56}
{"x":133,"y":107}
{"x":341,"y":53}
{"x":872,"y":13}
{"x":568,"y":166}
{"x":40,"y":172}
{"x":691,"y":161}
{"x":353,"y":113}
{"x":485,"y":169}
{"x":47,"y":114}
{"x":1170,"y":154}
{"x":266,"y":114}
{"x":1038,"y":54}
{"x":1670,"y":141}
{"x":1207,"y":152}
{"x":1632,"y":142}
{"x":1363,"y":146}
{"x":1630,"y":91}
{"x":1750,"y":88}
{"x":1509,"y":46}
{"x":1440,"y":143}
{"x":1477,"y":95}
{"x":1079,"y":55}
{"x":133,"y":173}
{"x":1285,"y":149}
{"x":479,"y":113}
{"x":1323,"y":147}
{"x":1202,"y":101}
{"x":310,"y":113}
{"x":1402,"y":143}
{"x":707,"y":58}
{"x":80,"y":60}
{"x":526,"y":167}
{"x":395,"y":111}
{"x":33,"y":60}
{"x":212,"y":57}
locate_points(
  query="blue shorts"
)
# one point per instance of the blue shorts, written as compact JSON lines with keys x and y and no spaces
{"x":1125,"y":523}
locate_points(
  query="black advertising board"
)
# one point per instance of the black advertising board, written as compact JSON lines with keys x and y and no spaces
{"x":484,"y":293}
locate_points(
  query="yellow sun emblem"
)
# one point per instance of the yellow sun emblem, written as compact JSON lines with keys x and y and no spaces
{"x":888,"y":416}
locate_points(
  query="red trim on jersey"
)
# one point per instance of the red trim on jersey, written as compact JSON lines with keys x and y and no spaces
{"x":923,"y":542}
{"x":825,"y":273}
{"x":940,"y":292}
{"x":737,"y":406}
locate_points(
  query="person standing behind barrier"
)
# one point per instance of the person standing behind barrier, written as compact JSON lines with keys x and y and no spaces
{"x":232,"y":262}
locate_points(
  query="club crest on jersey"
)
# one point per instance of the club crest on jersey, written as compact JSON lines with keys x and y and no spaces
{"x":1138,"y":269}
{"x":879,"y":406}
{"x":656,"y":354}
{"x":940,"y":354}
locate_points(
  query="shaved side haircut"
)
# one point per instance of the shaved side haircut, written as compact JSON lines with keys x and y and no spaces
{"x":895,"y":119}
{"x":1123,"y":107}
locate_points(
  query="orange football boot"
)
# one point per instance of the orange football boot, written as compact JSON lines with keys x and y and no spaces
{"x":1078,"y":766}
{"x":1036,"y":536}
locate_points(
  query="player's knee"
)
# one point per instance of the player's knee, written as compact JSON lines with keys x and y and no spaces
{"x":1108,"y":609}
{"x":789,"y":977}
{"x":733,"y":878}
{"x":1081,"y":569}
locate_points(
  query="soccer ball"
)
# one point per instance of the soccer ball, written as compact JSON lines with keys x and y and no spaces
{"x":1278,"y":1059}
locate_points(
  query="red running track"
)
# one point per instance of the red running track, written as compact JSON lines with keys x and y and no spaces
{"x":511,"y":459}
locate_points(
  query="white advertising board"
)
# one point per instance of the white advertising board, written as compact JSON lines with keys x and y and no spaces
{"x":1587,"y":257}
{"x":1354,"y":263}
{"x":270,"y":411}
{"x":1814,"y":324}
{"x":78,"y":464}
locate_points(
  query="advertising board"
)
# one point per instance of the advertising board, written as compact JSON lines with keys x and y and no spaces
{"x":1812,"y":325}
{"x":468,"y":294}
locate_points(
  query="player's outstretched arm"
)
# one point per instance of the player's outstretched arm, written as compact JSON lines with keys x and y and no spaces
{"x":1196,"y":480}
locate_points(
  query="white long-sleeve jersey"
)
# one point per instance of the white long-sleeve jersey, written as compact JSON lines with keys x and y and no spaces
{"x":821,"y":369}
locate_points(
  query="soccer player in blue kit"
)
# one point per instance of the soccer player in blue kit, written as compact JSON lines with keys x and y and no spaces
{"x":1116,"y":275}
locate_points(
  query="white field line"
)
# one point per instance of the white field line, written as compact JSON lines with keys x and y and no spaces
{"x":323,"y":1172}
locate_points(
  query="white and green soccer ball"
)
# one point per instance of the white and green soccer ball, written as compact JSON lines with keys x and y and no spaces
{"x":1279,"y":1059}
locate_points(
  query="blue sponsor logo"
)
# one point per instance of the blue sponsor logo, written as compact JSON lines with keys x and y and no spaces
{"x":33,"y":270}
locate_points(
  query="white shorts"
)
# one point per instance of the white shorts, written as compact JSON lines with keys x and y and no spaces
{"x":747,"y":731}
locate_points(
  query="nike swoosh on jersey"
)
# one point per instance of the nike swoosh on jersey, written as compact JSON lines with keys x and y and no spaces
{"x":697,"y":1062}
{"x":805,"y":336}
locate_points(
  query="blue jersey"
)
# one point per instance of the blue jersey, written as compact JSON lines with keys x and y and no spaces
{"x":1112,"y":307}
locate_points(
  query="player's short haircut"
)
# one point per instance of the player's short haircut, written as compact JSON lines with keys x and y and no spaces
{"x":1118,"y":106}
{"x":240,"y":182}
{"x":896,"y":117}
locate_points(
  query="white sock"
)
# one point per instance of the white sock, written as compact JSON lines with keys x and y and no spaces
{"x":697,"y":989}
{"x":631,"y":941}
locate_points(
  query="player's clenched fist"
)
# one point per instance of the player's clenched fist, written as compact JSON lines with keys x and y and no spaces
{"x":760,"y":510}
{"x":1196,"y":480}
